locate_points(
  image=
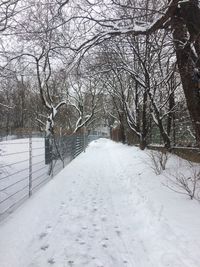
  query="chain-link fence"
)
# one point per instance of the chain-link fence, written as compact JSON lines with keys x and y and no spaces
{"x":28,"y":162}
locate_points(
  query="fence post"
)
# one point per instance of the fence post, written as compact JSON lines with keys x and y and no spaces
{"x":84,"y":139}
{"x":30,"y":163}
{"x":48,"y":150}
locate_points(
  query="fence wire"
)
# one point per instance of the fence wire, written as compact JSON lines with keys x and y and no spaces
{"x":28,"y":163}
{"x":181,"y":134}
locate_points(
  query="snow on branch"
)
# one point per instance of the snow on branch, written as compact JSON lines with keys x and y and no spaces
{"x":135,"y":29}
{"x":6,"y":106}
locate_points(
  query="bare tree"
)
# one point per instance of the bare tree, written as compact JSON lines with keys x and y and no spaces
{"x":187,"y":182}
{"x":8,"y":9}
{"x":85,"y":93}
{"x":53,"y":36}
{"x":181,"y":18}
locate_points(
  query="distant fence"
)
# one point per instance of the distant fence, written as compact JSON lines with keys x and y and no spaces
{"x":188,"y":153}
{"x":181,"y":134}
{"x":18,"y":134}
{"x":59,"y":151}
{"x":29,"y":162}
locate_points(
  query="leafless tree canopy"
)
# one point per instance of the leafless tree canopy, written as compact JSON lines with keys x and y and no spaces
{"x":134,"y":64}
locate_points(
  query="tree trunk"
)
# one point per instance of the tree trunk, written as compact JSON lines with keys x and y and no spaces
{"x":144,"y":127}
{"x":165,"y":137}
{"x":187,"y":68}
{"x":143,"y":142}
{"x":171,"y":113}
{"x":122,"y":134}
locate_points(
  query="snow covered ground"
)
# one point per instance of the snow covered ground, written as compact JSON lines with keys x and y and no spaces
{"x":105,"y":209}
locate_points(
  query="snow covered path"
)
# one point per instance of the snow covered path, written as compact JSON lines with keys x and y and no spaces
{"x":98,"y":212}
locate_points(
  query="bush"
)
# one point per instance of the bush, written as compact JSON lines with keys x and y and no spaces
{"x":158,"y":160}
{"x":187,"y":183}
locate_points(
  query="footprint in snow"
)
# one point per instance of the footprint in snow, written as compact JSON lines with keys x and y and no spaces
{"x":62,"y":205}
{"x":118,"y":232}
{"x":51,"y":261}
{"x":70,"y":262}
{"x":44,"y":247}
{"x":79,"y":236}
{"x":77,"y":239}
{"x":103,"y":218}
{"x":42,"y":235}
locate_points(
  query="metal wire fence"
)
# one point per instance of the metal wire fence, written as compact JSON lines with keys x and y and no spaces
{"x":29,"y":162}
{"x":181,"y":134}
